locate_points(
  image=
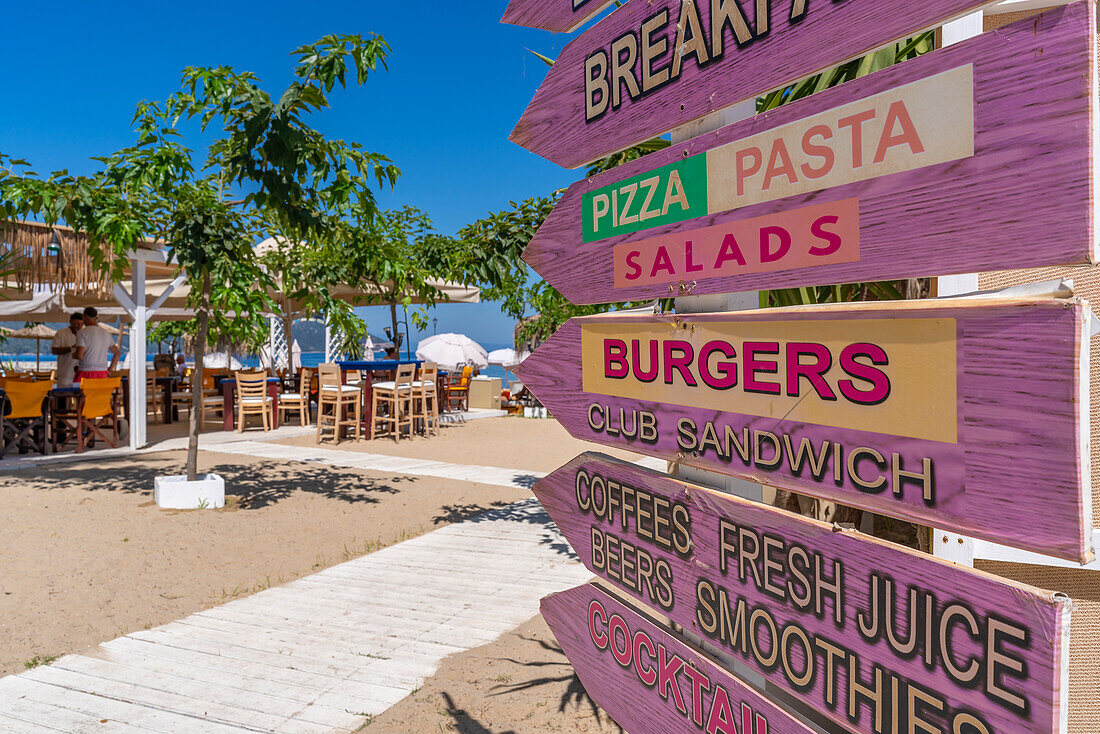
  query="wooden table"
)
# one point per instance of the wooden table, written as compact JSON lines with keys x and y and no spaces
{"x":229,"y":391}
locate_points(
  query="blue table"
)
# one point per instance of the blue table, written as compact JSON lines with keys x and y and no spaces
{"x":376,"y":365}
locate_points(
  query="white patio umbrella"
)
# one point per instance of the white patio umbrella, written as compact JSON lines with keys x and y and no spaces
{"x":452,"y":351}
{"x":220,"y":361}
{"x":507,"y":358}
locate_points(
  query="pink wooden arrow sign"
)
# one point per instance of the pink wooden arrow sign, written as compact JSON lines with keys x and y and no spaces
{"x":654,"y":66}
{"x":647,"y":678}
{"x":962,"y":414}
{"x":954,"y":147}
{"x":816,"y":609}
{"x":560,"y":16}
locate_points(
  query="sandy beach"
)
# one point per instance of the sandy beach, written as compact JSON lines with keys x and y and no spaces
{"x":512,"y":443}
{"x":90,"y":557}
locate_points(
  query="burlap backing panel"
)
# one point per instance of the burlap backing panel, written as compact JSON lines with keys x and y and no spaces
{"x":1084,"y":666}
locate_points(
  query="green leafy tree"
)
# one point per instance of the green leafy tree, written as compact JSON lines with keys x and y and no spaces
{"x":263,"y":151}
{"x":398,"y":256}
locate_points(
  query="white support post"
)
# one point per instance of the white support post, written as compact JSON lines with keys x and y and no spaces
{"x":712,"y":304}
{"x":176,"y":283}
{"x":138,"y":412}
{"x":332,"y":342}
{"x":945,"y":545}
{"x":718,"y":303}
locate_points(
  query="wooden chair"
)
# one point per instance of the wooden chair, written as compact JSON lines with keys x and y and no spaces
{"x":44,"y":376}
{"x":181,"y":395}
{"x":98,"y":412}
{"x":252,"y":398}
{"x":212,"y":400}
{"x":298,"y":401}
{"x":397,"y":398}
{"x":458,"y":389}
{"x":342,"y":399}
{"x":153,"y":399}
{"x":24,"y":426}
{"x":426,"y":398}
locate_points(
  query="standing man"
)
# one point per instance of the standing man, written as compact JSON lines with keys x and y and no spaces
{"x":63,"y":343}
{"x":95,"y":349}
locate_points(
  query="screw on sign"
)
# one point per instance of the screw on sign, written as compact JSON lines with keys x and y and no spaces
{"x":875,"y":636}
{"x":961,"y":414}
{"x":897,"y":173}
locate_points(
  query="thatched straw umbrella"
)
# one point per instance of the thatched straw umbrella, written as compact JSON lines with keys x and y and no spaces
{"x":38,"y":332}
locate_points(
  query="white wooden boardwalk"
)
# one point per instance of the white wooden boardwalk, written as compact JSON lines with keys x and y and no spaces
{"x":320,"y":654}
{"x":519,"y":478}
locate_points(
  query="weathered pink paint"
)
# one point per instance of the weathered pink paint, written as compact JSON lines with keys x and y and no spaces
{"x":635,"y":528}
{"x":1033,"y":105}
{"x":669,"y":704}
{"x":554,"y":125}
{"x":702,"y":254}
{"x":559,"y":16}
{"x":1007,"y":464}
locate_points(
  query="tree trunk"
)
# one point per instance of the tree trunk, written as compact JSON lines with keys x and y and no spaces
{"x":393,"y":318}
{"x":288,"y":332}
{"x":196,"y":383}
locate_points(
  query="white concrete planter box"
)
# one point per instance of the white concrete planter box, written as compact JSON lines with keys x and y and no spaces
{"x":176,"y":493}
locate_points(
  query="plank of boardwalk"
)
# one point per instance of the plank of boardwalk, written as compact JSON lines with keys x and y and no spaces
{"x":317,"y":654}
{"x":81,"y":703}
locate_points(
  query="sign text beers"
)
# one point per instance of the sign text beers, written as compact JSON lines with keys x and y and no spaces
{"x":875,"y":636}
{"x":965,"y":415}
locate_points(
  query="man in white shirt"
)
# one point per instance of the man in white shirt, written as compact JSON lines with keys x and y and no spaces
{"x":95,"y":349}
{"x":63,"y":343}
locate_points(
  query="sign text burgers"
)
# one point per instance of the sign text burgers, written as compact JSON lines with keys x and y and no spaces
{"x":879,"y":638}
{"x":962,"y":414}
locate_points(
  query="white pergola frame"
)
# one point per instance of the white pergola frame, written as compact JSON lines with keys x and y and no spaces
{"x":140,"y":312}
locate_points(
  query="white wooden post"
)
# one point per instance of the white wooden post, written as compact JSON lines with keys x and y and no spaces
{"x":713,"y":304}
{"x":951,"y":546}
{"x":138,"y":416}
{"x":717,"y":303}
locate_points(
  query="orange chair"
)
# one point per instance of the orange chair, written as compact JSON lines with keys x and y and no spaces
{"x":98,"y":412}
{"x":24,"y":425}
{"x":458,"y":389}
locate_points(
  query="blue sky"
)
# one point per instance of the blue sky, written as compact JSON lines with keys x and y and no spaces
{"x":457,"y":83}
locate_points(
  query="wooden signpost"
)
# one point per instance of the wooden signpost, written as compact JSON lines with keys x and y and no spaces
{"x":962,"y":414}
{"x":786,"y":199}
{"x":652,"y":66}
{"x":648,"y":678}
{"x":560,"y":16}
{"x":875,"y":636}
{"x":967,"y":415}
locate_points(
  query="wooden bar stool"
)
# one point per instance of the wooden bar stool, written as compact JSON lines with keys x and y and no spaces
{"x":344,"y":400}
{"x":397,"y":397}
{"x":426,"y":398}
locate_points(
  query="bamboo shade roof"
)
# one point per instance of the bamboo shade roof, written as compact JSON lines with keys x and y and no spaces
{"x":74,"y":272}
